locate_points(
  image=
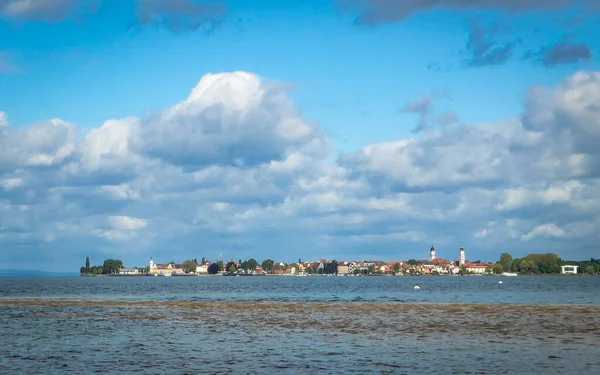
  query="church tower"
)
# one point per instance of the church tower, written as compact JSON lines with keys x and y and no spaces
{"x":432,"y":253}
{"x":151,"y":264}
{"x":462,"y":258}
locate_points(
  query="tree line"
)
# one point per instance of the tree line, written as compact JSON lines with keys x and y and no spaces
{"x":548,"y":263}
{"x":109,"y":267}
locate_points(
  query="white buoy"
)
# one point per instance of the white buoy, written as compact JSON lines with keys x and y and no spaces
{"x":500,"y":282}
{"x":417,"y":287}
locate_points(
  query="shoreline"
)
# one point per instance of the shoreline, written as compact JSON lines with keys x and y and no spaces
{"x":348,"y":275}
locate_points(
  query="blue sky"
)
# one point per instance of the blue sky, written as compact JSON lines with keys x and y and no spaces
{"x":406,"y":114}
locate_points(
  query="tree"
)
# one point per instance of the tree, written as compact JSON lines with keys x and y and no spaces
{"x":524,"y":266}
{"x":533,"y":267}
{"x":506,"y":261}
{"x":214,"y":269}
{"x":221,"y":264}
{"x":252,"y":264}
{"x":397,"y":268}
{"x":83,"y":270}
{"x":87,"y":264}
{"x":515,"y":265}
{"x":371,"y":269}
{"x":112,"y":266}
{"x":267,"y":265}
{"x":498,"y":269}
{"x":231,"y":267}
{"x":203,"y":260}
{"x":331,"y":268}
{"x":489,"y":268}
{"x":412,"y":262}
{"x":190,"y":266}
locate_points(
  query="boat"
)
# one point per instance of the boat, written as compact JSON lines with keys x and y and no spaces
{"x":509,"y":274}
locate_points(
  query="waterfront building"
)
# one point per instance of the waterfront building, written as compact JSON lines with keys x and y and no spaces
{"x":164,"y":269}
{"x":202,"y":269}
{"x":568,"y":269}
{"x":130,"y":271}
{"x":343,"y":269}
{"x":432,"y":253}
{"x":475,"y":268}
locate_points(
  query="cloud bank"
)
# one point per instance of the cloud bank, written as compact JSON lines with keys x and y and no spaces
{"x":371,"y":12}
{"x":236,"y":169}
{"x":174,"y":15}
{"x":481,"y":47}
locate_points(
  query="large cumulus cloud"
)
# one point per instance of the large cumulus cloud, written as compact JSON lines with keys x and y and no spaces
{"x":235,"y":169}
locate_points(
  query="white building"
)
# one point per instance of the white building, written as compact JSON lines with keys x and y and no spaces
{"x":432,"y":253}
{"x":478,"y":269}
{"x":569,"y":269}
{"x":462,"y":259}
{"x":130,"y":271}
{"x":202,"y":269}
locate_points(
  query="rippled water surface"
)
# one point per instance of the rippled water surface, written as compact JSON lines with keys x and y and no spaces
{"x":310,"y":325}
{"x":445,"y":289}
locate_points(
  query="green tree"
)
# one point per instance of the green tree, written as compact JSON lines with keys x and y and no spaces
{"x":498,"y":269}
{"x":489,"y":268}
{"x":213,"y":269}
{"x":524,"y":267}
{"x":252,"y":264}
{"x":221,"y":265}
{"x":396,"y":268}
{"x":231,"y":266}
{"x":515,"y":265}
{"x":533,"y":267}
{"x":190,"y":266}
{"x":87,"y":264}
{"x":112,"y":266}
{"x":506,"y":261}
{"x":267,"y":265}
{"x":371,"y":269}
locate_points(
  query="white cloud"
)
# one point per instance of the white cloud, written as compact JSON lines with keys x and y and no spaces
{"x":229,"y":118}
{"x":3,"y":121}
{"x":11,"y":183}
{"x":235,"y":168}
{"x":127,"y":223}
{"x":120,"y":192}
{"x":544,"y":230}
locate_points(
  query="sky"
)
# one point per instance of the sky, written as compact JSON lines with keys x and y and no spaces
{"x":336,"y":129}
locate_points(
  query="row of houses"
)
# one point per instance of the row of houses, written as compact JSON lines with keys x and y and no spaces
{"x":433,"y":265}
{"x":425,"y":267}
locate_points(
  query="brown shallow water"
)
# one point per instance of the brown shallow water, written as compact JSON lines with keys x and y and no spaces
{"x":63,"y":336}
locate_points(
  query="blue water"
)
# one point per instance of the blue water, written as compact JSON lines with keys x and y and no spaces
{"x":300,"y":325}
{"x":546,"y":290}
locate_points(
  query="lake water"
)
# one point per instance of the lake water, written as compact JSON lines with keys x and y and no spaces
{"x":546,"y":290}
{"x":300,"y":325}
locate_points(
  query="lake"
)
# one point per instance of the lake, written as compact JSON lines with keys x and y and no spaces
{"x":300,"y":325}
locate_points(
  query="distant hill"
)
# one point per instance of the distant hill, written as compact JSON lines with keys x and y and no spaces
{"x":33,"y":273}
